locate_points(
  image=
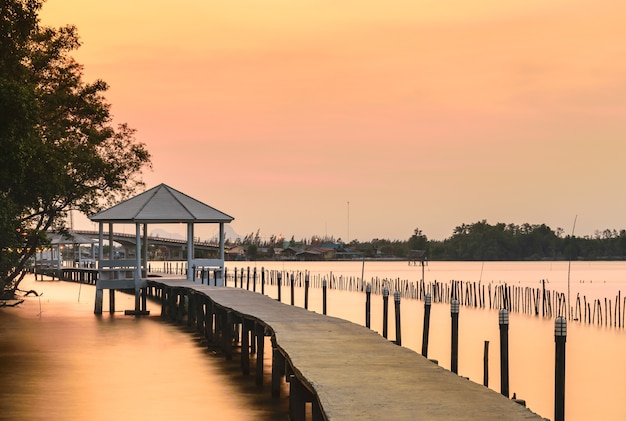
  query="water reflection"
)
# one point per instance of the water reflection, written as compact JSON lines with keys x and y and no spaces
{"x":70,"y":365}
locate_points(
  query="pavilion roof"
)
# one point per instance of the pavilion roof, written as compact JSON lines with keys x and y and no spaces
{"x":161,"y":204}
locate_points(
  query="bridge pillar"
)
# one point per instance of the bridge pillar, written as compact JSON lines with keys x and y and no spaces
{"x":245,"y":347}
{"x":278,"y":370}
{"x":111,"y":301}
{"x":99,"y":298}
{"x":260,"y":340}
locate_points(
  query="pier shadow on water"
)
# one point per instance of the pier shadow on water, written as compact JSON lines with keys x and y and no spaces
{"x":60,"y":362}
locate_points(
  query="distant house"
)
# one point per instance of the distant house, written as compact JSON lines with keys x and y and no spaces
{"x":416,"y":256}
{"x":309,"y":255}
{"x":290,"y":253}
{"x":235,"y":253}
{"x":327,"y":253}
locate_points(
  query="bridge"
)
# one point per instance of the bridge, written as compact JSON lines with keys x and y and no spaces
{"x":338,"y":369}
{"x":159,"y":248}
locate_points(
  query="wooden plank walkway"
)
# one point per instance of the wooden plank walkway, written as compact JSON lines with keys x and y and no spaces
{"x":348,"y":371}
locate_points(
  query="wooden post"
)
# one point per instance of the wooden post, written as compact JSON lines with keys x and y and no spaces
{"x":503,"y":318}
{"x":306,"y":291}
{"x":385,"y":311}
{"x":279,"y":281}
{"x":297,"y":401}
{"x":486,"y":365}
{"x":260,"y":340}
{"x":368,"y":304}
{"x":111,"y":301}
{"x":144,"y":300}
{"x":560,"y":335}
{"x":208,"y":320}
{"x":396,"y":299}
{"x":278,"y":369}
{"x":247,"y":278}
{"x":254,"y":280}
{"x":292,"y":290}
{"x":99,"y":299}
{"x":227,"y":335}
{"x":262,"y":281}
{"x":454,"y":357}
{"x":425,"y":332}
{"x":245,"y":347}
{"x":235,"y":277}
{"x":324,"y":297}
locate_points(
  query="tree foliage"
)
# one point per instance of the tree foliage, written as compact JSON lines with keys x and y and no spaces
{"x":60,"y":149}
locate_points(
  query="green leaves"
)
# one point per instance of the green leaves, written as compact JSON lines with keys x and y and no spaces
{"x":60,"y":150}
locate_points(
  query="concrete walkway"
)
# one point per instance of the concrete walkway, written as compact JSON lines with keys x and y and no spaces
{"x":355,"y":373}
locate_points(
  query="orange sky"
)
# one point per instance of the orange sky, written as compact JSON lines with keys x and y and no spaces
{"x":423,"y":114}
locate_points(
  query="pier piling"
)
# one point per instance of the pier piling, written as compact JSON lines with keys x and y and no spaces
{"x":385,"y":311}
{"x":368,"y":304}
{"x":426,"y":330}
{"x":454,"y":354}
{"x":503,"y":319}
{"x":396,"y":299}
{"x":560,"y":336}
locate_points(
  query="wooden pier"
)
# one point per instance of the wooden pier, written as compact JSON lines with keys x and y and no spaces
{"x":343,"y":370}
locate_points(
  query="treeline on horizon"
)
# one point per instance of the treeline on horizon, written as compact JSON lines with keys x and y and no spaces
{"x":477,"y":241}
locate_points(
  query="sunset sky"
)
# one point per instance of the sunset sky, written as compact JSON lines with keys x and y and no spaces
{"x":368,"y":119}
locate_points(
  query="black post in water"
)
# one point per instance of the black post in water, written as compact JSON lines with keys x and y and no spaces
{"x":324,"y":297}
{"x":235,"y":277}
{"x":396,"y":300}
{"x":306,"y":291}
{"x":279,"y":282}
{"x":503,"y":318}
{"x":262,"y":281}
{"x":254,"y":280}
{"x":425,"y":332}
{"x":292,"y":290}
{"x":454,"y":357}
{"x":247,"y":279}
{"x":368,"y":304}
{"x":385,"y":310}
{"x":560,"y":335}
{"x":486,"y":365}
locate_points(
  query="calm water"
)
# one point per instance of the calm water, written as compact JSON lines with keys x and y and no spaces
{"x":60,"y":362}
{"x":65,"y":363}
{"x":596,"y":369}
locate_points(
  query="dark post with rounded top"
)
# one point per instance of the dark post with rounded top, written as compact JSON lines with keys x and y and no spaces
{"x":385,"y":310}
{"x":292,"y":290}
{"x":247,"y":278}
{"x":425,"y":333}
{"x":262,"y":281}
{"x":396,"y":300}
{"x":306,"y":291}
{"x":279,"y":282}
{"x":454,"y":357}
{"x":368,"y":304}
{"x":235,"y":277}
{"x":254,"y":280}
{"x":324,"y":297}
{"x":503,"y":318}
{"x":560,"y":335}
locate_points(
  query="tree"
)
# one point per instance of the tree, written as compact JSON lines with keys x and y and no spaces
{"x":418,"y":240}
{"x":60,"y":150}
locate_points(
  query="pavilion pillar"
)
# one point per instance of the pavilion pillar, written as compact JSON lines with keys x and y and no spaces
{"x":138,"y":268}
{"x":99,"y":291}
{"x":222,"y":243}
{"x":190,"y":252}
{"x":111,"y":254}
{"x":145,"y":248}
